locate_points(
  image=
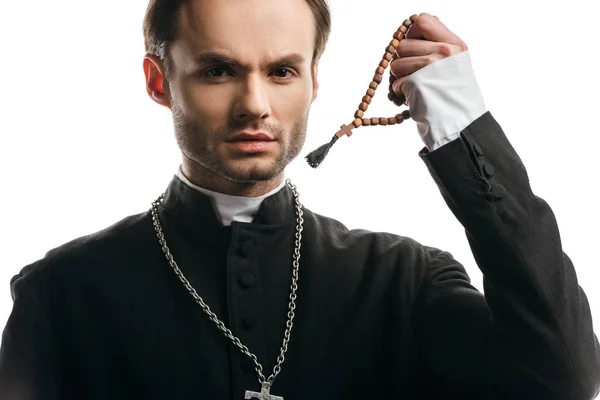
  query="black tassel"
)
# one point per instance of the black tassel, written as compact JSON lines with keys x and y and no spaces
{"x":316,"y":157}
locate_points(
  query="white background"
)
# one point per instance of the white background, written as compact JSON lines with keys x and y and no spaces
{"x":82,"y":145}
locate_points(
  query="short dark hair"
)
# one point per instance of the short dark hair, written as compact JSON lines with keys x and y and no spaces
{"x":162,"y":19}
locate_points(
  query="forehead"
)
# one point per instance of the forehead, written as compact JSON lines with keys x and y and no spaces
{"x":247,"y":29}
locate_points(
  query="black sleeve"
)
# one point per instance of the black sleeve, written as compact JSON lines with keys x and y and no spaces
{"x":530,"y":336}
{"x":29,"y":356}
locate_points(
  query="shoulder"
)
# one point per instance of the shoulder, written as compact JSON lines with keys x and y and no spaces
{"x":69,"y":258}
{"x":377,"y":244}
{"x":384,"y":261}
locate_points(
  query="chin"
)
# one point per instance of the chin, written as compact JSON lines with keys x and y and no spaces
{"x":252,"y":171}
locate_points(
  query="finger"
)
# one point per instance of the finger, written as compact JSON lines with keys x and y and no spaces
{"x":415,"y":47}
{"x":428,"y":27}
{"x":406,"y":66}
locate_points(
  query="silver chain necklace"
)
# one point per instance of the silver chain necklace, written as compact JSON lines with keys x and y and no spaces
{"x":265,"y":383}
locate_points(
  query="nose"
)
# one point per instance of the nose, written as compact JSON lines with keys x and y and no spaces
{"x":253,"y":99}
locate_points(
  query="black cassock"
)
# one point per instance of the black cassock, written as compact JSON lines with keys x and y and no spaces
{"x":378,"y":316}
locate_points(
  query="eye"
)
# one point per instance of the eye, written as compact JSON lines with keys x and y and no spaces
{"x":216,"y":72}
{"x":283,"y":73}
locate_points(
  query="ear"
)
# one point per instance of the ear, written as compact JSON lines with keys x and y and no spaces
{"x":156,"y":85}
{"x":315,"y":81}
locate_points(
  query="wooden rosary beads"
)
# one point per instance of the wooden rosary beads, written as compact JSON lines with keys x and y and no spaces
{"x":316,"y":157}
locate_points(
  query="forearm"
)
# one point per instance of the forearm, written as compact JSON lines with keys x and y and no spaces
{"x":539,"y":312}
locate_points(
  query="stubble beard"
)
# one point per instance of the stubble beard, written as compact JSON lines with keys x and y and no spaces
{"x":196,"y":144}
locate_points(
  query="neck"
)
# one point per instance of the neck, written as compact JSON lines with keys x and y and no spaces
{"x":205,"y":178}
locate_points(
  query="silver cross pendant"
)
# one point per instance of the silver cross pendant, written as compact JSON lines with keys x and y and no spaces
{"x":263,"y":395}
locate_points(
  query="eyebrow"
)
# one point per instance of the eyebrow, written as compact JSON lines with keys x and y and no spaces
{"x":221,"y":59}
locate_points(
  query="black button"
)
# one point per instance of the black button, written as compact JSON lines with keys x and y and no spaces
{"x":247,"y":279}
{"x":478,"y":149}
{"x":247,"y":248}
{"x":248,"y":364}
{"x":250,"y":321}
{"x":498,"y":191}
{"x":489,"y":170}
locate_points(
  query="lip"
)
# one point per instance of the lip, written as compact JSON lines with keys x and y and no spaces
{"x":251,"y":142}
{"x":251,"y":136}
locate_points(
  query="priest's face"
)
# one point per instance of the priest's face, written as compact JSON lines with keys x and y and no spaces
{"x":242,"y":86}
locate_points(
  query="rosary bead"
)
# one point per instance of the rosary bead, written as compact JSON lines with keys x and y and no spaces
{"x":413,"y":18}
{"x":398,"y":101}
{"x":390,"y":54}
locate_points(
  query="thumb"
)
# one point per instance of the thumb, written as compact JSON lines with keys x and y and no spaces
{"x":397,"y":86}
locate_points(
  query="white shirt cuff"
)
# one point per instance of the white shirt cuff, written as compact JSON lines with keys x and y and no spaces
{"x":444,"y":98}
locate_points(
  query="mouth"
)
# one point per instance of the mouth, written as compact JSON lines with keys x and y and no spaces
{"x":251,"y":136}
{"x":251,"y":142}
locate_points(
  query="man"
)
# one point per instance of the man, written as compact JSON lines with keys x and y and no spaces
{"x":227,"y":288}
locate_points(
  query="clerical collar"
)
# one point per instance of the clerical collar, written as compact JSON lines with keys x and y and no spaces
{"x":230,"y":208}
